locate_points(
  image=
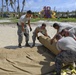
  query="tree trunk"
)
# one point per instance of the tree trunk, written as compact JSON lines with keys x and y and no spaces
{"x":23,"y":6}
{"x":11,"y":3}
{"x":2,"y":9}
{"x":18,"y":8}
{"x":7,"y":5}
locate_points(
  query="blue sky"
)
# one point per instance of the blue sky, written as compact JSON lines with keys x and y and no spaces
{"x":59,"y":5}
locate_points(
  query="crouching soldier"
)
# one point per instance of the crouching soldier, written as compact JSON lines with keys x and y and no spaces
{"x":38,"y":29}
{"x":59,"y":28}
{"x":71,"y":32}
{"x":67,"y":55}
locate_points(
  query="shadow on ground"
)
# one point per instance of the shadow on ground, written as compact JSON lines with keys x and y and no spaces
{"x":15,"y":47}
{"x":48,"y":63}
{"x":11,"y":47}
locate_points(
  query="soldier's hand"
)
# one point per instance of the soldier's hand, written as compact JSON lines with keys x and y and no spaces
{"x":38,"y":38}
{"x":24,"y":34}
{"x":51,"y":41}
{"x":30,"y":29}
{"x":23,"y":29}
{"x":17,"y":24}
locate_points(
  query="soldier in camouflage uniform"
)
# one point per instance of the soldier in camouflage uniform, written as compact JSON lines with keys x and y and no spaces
{"x":23,"y":24}
{"x":41,"y":29}
{"x":71,"y":32}
{"x":67,"y":52}
{"x":59,"y":27}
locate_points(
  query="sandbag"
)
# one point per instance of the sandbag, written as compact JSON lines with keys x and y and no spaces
{"x":46,"y":42}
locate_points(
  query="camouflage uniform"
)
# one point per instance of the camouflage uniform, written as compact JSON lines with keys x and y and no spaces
{"x":64,"y":26}
{"x":43,"y":31}
{"x":65,"y":56}
{"x":23,"y":19}
{"x":20,"y":33}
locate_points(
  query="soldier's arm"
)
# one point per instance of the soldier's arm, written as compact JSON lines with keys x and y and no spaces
{"x":22,"y":26}
{"x":29,"y":25}
{"x":36,"y":32}
{"x":54,"y":37}
{"x":46,"y":34}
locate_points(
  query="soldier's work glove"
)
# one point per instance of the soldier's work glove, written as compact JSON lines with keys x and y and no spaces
{"x":24,"y":34}
{"x":38,"y":38}
{"x":30,"y":29}
{"x":17,"y":24}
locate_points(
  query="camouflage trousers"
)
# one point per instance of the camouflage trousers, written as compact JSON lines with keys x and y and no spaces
{"x":65,"y":57}
{"x":34,"y":38}
{"x":25,"y":33}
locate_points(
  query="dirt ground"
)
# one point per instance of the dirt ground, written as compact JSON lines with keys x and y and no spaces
{"x":24,"y":61}
{"x":9,"y":37}
{"x":8,"y":33}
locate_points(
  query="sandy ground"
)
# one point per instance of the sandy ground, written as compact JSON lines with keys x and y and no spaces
{"x":1,"y":21}
{"x":8,"y":35}
{"x":24,"y":61}
{"x":9,"y":38}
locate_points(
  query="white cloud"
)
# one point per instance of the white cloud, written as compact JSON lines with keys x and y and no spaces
{"x":37,"y":5}
{"x":34,"y":5}
{"x":67,"y":6}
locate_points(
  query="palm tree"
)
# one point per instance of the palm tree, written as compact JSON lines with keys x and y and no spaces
{"x":11,"y":3}
{"x":15,"y":4}
{"x":7,"y":5}
{"x":18,"y":7}
{"x":2,"y":8}
{"x":23,"y":5}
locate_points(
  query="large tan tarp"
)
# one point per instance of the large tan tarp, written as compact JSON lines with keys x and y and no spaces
{"x":46,"y":42}
{"x":26,"y":61}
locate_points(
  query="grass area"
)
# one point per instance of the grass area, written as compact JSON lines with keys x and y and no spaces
{"x":55,"y":19}
{"x":67,"y":19}
{"x":14,"y":20}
